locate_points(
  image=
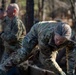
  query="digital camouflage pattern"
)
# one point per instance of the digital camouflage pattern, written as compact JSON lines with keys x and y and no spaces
{"x":72,"y":57}
{"x":12,"y":37}
{"x":42,"y":34}
{"x":3,"y":24}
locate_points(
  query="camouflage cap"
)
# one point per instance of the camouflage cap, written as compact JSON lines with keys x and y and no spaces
{"x":63,"y":30}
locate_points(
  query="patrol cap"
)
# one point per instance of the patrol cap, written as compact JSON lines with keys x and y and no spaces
{"x":63,"y":30}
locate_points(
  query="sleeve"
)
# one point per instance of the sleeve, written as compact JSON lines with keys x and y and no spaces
{"x":66,"y":31}
{"x":6,"y":31}
{"x":15,"y":33}
{"x":29,"y":42}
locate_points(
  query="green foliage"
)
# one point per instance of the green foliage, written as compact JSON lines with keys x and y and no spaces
{"x":22,"y":3}
{"x":36,"y":4}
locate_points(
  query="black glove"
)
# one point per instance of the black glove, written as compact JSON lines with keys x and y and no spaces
{"x":2,"y":72}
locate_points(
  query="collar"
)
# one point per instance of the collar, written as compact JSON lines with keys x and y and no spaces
{"x":52,"y":42}
{"x":14,"y":19}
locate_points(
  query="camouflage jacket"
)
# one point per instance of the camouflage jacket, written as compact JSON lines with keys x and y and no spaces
{"x":41,"y":34}
{"x":4,"y":23}
{"x":14,"y":32}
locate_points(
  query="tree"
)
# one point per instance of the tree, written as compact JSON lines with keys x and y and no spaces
{"x":53,"y":9}
{"x":73,"y":12}
{"x":52,"y":5}
{"x":4,"y":4}
{"x":29,"y":20}
{"x":40,"y":8}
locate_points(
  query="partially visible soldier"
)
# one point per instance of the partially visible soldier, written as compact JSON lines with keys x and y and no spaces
{"x":4,"y":20}
{"x":13,"y":33}
{"x":72,"y":56}
{"x":50,"y":37}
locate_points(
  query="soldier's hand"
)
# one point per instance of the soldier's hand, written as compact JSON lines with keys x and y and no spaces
{"x":2,"y":72}
{"x":62,"y":73}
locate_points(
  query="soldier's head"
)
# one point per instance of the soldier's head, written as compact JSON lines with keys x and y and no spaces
{"x":12,"y":10}
{"x":59,"y":39}
{"x":2,"y":14}
{"x":62,"y":34}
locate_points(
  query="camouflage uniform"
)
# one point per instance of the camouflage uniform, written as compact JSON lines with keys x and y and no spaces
{"x":42,"y":34}
{"x":12,"y":37}
{"x":72,"y":57}
{"x":3,"y":25}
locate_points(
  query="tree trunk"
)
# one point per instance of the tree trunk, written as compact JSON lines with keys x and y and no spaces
{"x":53,"y":9}
{"x":4,"y":4}
{"x":40,"y":8}
{"x":73,"y":13}
{"x":29,"y":20}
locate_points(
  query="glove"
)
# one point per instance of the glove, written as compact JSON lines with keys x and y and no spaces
{"x":2,"y":72}
{"x":62,"y":73}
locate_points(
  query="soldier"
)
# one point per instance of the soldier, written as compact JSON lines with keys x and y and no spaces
{"x":13,"y":33}
{"x":4,"y":20}
{"x":49,"y":36}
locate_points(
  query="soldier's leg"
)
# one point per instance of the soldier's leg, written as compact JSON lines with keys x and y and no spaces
{"x":74,"y":66}
{"x":71,"y":62}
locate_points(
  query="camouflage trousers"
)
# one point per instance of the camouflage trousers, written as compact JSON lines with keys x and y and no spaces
{"x":71,"y":58}
{"x":71,"y":62}
{"x":50,"y":62}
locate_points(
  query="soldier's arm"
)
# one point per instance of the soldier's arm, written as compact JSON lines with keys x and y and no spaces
{"x":6,"y":31}
{"x":15,"y":33}
{"x":17,"y":30}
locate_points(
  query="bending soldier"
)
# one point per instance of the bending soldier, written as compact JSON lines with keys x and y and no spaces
{"x":49,"y":36}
